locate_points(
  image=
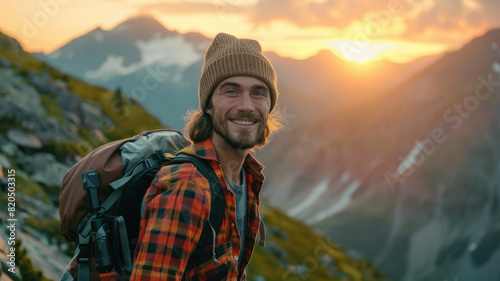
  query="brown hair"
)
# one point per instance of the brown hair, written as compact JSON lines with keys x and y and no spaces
{"x":199,"y":126}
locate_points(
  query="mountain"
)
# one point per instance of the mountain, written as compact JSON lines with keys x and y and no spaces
{"x":161,"y":68}
{"x":410,"y":178}
{"x":49,"y":120}
{"x":149,"y":63}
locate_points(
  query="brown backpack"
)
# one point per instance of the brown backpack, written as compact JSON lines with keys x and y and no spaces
{"x":107,"y":161}
{"x":124,"y":170}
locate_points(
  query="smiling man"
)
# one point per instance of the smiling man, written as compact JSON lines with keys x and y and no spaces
{"x":237,"y":95}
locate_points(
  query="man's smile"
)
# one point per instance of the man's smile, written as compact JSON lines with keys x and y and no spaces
{"x":245,"y":123}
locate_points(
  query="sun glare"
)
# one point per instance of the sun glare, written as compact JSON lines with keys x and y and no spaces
{"x":360,"y":51}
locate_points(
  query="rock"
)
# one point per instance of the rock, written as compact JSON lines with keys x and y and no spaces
{"x":91,"y":116}
{"x":50,"y":129}
{"x":5,"y":274}
{"x":92,"y":110}
{"x":8,"y":148}
{"x":20,"y":101}
{"x":44,"y":168}
{"x":23,"y":138}
{"x":4,"y":162}
{"x":5,"y":62}
{"x":46,"y":258}
{"x":18,"y":94}
{"x":73,"y":117}
{"x":41,"y":82}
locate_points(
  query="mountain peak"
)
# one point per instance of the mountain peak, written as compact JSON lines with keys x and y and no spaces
{"x":142,"y":27}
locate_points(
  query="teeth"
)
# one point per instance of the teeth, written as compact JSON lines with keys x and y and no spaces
{"x":241,"y":122}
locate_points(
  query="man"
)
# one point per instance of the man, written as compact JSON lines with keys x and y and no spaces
{"x":237,"y":95}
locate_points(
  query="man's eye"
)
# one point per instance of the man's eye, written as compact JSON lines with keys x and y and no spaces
{"x":231,"y":92}
{"x":259,"y":93}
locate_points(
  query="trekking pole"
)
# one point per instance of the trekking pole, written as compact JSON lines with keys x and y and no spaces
{"x":100,"y":225}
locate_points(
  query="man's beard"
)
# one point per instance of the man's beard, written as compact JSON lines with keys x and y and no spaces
{"x":244,"y":139}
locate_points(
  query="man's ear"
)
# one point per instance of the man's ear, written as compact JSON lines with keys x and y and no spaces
{"x":209,"y":111}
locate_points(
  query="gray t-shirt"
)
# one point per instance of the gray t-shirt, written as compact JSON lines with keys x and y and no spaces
{"x":240,"y":196}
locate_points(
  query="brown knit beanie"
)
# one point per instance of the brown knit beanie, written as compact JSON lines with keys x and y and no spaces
{"x":229,"y":56}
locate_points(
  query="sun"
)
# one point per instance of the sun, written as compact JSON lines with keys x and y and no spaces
{"x":360,"y":51}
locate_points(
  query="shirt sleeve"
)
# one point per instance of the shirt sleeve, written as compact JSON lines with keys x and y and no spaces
{"x":170,"y":230}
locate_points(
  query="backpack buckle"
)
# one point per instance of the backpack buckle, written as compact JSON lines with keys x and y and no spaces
{"x":84,"y":256}
{"x":155,"y":159}
{"x":148,"y":163}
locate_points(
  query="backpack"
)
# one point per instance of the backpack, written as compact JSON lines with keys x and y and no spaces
{"x":102,"y":202}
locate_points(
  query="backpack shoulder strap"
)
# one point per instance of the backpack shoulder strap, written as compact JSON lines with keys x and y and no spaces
{"x":217,"y":209}
{"x":218,"y":202}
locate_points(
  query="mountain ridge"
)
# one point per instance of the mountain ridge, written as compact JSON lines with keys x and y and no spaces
{"x":326,"y":81}
{"x":397,"y":165}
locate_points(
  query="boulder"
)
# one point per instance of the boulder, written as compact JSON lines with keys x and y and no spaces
{"x":43,"y":168}
{"x":23,"y":138}
{"x":4,"y":162}
{"x":19,"y":94}
{"x":8,"y":148}
{"x":5,"y":62}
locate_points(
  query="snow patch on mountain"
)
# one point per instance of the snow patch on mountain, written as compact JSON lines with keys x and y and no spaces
{"x":344,"y":177}
{"x":313,"y":197}
{"x":410,"y":160}
{"x":496,"y":67}
{"x":344,"y":201}
{"x":112,"y":67}
{"x":165,"y":51}
{"x":168,"y":51}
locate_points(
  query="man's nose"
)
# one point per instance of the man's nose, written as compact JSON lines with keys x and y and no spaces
{"x":245,"y":103}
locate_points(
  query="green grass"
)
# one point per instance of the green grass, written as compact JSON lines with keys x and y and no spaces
{"x":50,"y":227}
{"x":305,"y":248}
{"x":52,"y":108}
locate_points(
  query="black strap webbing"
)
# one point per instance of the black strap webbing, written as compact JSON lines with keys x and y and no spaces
{"x":218,"y":202}
{"x":84,"y":258}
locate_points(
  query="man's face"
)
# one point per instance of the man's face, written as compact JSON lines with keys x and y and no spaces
{"x":240,"y":107}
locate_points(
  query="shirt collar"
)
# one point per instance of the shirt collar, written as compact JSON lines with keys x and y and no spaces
{"x":206,"y":150}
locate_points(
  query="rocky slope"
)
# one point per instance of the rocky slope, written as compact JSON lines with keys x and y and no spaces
{"x":49,"y":120}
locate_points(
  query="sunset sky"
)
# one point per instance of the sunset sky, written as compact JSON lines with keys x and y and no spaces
{"x":397,"y":30}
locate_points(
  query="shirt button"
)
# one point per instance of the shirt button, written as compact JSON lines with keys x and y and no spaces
{"x":236,"y":258}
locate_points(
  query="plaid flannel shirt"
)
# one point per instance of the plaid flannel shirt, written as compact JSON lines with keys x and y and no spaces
{"x":178,"y":204}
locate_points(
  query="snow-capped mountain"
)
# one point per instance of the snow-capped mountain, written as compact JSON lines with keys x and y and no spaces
{"x":411,"y":179}
{"x":132,"y":45}
{"x":149,"y":63}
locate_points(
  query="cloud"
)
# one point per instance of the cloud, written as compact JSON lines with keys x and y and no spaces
{"x":334,"y":13}
{"x":190,"y":7}
{"x":424,"y":20}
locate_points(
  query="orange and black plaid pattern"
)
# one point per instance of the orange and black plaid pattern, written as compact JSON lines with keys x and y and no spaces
{"x":178,"y":206}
